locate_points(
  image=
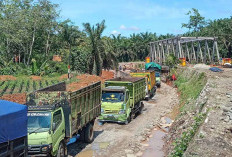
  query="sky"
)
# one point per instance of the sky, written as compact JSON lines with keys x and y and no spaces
{"x":134,"y":16}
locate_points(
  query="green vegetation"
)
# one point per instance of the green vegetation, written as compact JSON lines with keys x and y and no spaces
{"x":32,"y":33}
{"x":221,"y":28}
{"x":171,"y":60}
{"x":182,"y":143}
{"x":190,"y":84}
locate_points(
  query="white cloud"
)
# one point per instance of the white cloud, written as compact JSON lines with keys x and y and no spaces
{"x":115,"y":32}
{"x":123,"y":27}
{"x":132,"y":28}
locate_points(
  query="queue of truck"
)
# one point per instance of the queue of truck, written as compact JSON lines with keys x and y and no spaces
{"x":54,"y":115}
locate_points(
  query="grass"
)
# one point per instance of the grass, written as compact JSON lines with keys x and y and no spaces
{"x":190,"y":86}
{"x":181,"y":144}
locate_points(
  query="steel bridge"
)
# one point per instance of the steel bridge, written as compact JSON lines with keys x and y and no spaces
{"x":194,"y":49}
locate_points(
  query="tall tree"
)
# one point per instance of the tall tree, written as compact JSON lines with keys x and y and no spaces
{"x":95,"y":35}
{"x":196,"y":21}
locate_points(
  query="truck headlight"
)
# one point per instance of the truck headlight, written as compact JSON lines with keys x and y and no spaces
{"x":102,"y":110}
{"x":122,"y":112}
{"x":46,"y":148}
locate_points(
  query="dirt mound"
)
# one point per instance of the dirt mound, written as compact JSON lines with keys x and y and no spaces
{"x":201,"y":66}
{"x":7,"y":77}
{"x":107,"y":74}
{"x":84,"y":80}
{"x":33,"y":77}
{"x":63,"y":77}
{"x":87,"y":79}
{"x":18,"y":97}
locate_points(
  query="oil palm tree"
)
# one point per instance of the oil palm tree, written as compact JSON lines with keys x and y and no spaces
{"x":94,"y":33}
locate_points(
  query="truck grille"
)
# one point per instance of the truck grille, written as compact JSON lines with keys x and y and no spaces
{"x":111,"y":111}
{"x":33,"y":149}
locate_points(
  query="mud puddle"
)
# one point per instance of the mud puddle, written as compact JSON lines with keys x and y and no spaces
{"x":156,"y":142}
{"x":93,"y":149}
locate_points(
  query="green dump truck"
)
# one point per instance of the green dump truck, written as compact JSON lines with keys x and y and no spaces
{"x":56,"y":115}
{"x":122,"y":99}
{"x":150,"y":81}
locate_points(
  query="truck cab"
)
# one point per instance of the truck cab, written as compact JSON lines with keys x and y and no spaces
{"x":46,"y":131}
{"x":158,"y":79}
{"x":115,"y":104}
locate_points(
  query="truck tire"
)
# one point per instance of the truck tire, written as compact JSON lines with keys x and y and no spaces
{"x":88,"y":133}
{"x":128,"y":119}
{"x":82,"y":135}
{"x":62,"y":150}
{"x":141,"y":108}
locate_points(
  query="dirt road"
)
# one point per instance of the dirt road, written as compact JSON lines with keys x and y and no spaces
{"x":115,"y":140}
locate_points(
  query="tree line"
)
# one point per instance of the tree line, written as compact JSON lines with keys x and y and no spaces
{"x":31,"y":32}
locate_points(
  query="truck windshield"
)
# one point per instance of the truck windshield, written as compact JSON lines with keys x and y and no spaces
{"x":38,"y":121}
{"x":112,"y":96}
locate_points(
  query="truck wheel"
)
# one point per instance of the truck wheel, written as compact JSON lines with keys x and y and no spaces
{"x":88,"y":135}
{"x":82,"y":135}
{"x":141,"y":108}
{"x":128,"y":120}
{"x":62,"y":151}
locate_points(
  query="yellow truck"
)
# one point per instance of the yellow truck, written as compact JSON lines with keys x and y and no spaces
{"x":150,"y":81}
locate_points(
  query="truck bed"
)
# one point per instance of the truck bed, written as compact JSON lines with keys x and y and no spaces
{"x":149,"y":75}
{"x":80,"y":107}
{"x":126,"y":79}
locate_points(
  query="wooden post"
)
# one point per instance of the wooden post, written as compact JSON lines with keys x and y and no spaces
{"x":173,"y":48}
{"x":159,"y":52}
{"x":186,"y":46}
{"x":179,"y":49}
{"x":207,"y":48}
{"x":151,"y":52}
{"x":213,"y":52}
{"x":200,"y":51}
{"x":193,"y":51}
{"x":216,"y":47}
{"x":154,"y":48}
{"x":163,"y":55}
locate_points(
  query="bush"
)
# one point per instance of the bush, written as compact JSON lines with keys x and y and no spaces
{"x":55,"y":67}
{"x":79,"y":61}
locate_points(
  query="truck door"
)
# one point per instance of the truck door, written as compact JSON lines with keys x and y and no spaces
{"x":58,"y":128}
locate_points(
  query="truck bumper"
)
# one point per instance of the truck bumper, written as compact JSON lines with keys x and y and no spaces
{"x":36,"y":150}
{"x":119,"y":118}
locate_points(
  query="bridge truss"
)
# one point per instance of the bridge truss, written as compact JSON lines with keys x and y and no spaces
{"x":194,"y":49}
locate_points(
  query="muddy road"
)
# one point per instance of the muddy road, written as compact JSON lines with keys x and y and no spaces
{"x":115,"y":140}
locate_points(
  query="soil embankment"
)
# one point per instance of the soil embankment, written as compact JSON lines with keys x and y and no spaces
{"x":203,"y":127}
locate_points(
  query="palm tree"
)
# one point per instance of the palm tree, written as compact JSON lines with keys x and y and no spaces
{"x":109,"y":55}
{"x":94,"y":34}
